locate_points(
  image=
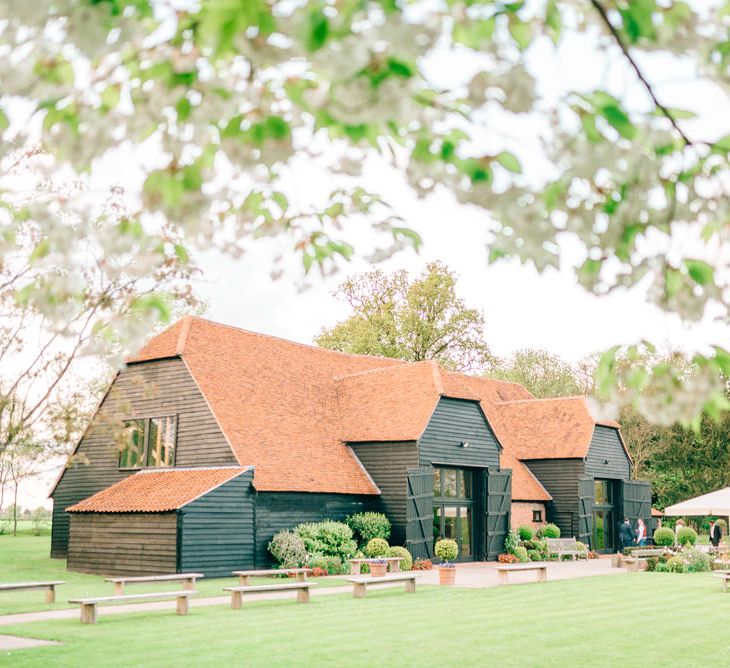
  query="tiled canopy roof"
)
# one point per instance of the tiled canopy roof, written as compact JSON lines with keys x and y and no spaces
{"x":290,"y":409}
{"x":559,"y":428}
{"x":155,"y":491}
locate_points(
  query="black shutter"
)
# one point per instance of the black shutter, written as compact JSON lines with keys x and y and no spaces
{"x":419,"y":512}
{"x":585,"y":511}
{"x":499,"y":504}
{"x":636,"y":499}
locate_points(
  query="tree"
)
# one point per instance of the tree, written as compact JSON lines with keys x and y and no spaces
{"x":543,"y":373}
{"x":216,"y":102}
{"x":413,"y":320}
{"x":75,"y":292}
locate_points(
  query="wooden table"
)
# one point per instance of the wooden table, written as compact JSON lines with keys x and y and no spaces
{"x":393,"y":564}
{"x":244,"y":577}
{"x":504,"y":571}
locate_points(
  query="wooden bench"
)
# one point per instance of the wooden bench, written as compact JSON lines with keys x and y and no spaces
{"x":640,"y":555}
{"x":725,"y":576}
{"x":505,"y":570}
{"x":360,"y":584}
{"x":88,"y":605}
{"x":49,"y":586}
{"x":188,"y":580}
{"x":244,"y":577}
{"x":302,"y":589}
{"x":561,"y":546}
{"x":393,"y":564}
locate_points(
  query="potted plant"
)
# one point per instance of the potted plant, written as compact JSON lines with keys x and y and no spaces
{"x":446,"y":550}
{"x":378,"y":568}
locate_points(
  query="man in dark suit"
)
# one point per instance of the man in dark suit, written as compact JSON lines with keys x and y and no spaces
{"x":626,"y":534}
{"x":715,"y":533}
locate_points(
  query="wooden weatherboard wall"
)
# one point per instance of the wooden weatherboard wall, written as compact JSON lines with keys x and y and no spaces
{"x":388,"y":465}
{"x":560,"y":477}
{"x":150,"y":389}
{"x":216,"y":531}
{"x":123,"y":543}
{"x":606,"y":456}
{"x":456,"y":421}
{"x":279,"y":511}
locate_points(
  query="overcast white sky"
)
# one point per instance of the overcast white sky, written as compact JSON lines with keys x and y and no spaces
{"x":522,"y":309}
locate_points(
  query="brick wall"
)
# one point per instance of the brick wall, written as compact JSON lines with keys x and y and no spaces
{"x":522,"y":514}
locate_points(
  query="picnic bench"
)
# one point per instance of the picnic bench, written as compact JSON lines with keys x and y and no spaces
{"x":360,"y":583}
{"x":49,"y":586}
{"x":505,"y":570}
{"x":188,"y":580}
{"x":88,"y":605}
{"x":301,"y":588}
{"x":244,"y":577}
{"x":393,"y":563}
{"x":561,"y":546}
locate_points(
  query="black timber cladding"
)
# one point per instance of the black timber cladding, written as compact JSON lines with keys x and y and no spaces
{"x":388,"y":464}
{"x":123,"y":543}
{"x":457,"y":421}
{"x":606,"y":456}
{"x":560,"y":477}
{"x":150,"y":389}
{"x":280,"y":511}
{"x":216,"y":531}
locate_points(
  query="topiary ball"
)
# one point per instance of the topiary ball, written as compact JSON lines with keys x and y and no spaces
{"x":446,"y":549}
{"x":377,"y":547}
{"x":525,"y":532}
{"x":549,"y":531}
{"x":664,"y":537}
{"x":686,"y":536}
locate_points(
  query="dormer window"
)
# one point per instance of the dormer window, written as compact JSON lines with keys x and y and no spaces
{"x":148,"y":442}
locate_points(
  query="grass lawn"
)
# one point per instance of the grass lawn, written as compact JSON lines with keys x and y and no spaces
{"x":25,"y":558}
{"x":628,"y":620}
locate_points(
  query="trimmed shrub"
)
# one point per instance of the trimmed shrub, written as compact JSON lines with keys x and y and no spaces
{"x":377,"y":547}
{"x":331,"y":565}
{"x":446,"y":549}
{"x":288,"y":549}
{"x":675,"y":565}
{"x":583,"y":548}
{"x":407,"y":562}
{"x":367,"y":526}
{"x":698,"y":562}
{"x":664,"y":537}
{"x":534,"y":555}
{"x":511,"y":542}
{"x":328,"y":539}
{"x":686,"y":536}
{"x":661,"y":568}
{"x":521,"y":554}
{"x":549,"y":531}
{"x":525,"y":532}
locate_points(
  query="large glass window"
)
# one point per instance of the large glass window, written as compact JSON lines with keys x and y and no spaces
{"x":602,"y":493}
{"x":148,"y":443}
{"x":453,"y":516}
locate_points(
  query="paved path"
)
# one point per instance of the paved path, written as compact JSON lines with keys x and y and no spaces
{"x":8,"y":643}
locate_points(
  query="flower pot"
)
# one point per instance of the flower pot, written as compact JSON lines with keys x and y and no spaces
{"x":378,"y":570}
{"x":447,"y":575}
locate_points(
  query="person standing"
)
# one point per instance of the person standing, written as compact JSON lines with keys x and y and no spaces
{"x":640,"y":533}
{"x":626,"y":535}
{"x":715,"y":533}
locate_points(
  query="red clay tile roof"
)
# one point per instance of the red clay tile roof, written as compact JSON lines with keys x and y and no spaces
{"x":289,"y":409}
{"x":275,"y":401}
{"x":395,"y":403}
{"x":154,"y":491}
{"x":559,"y":428}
